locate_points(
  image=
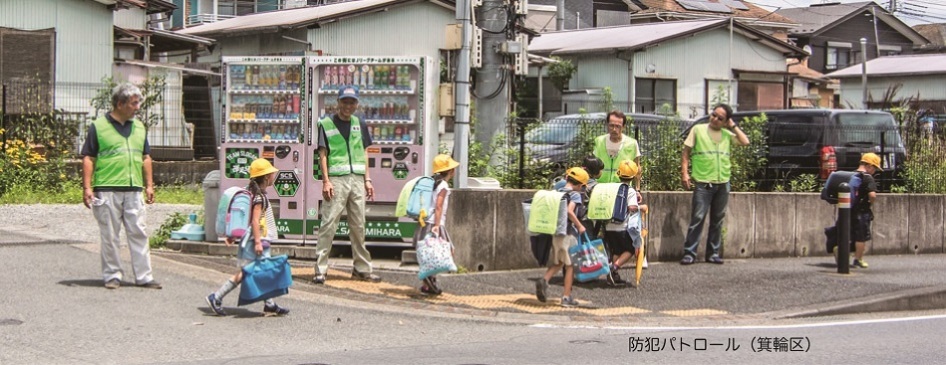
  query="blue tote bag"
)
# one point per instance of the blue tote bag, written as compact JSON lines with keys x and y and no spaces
{"x":265,"y":278}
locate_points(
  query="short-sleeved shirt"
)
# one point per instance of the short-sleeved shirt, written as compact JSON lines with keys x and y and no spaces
{"x":573,"y":197}
{"x":868,"y":185}
{"x":91,"y":147}
{"x":442,"y":186}
{"x":715,"y":135}
{"x":615,"y":147}
{"x":269,"y":218}
{"x":344,"y":128}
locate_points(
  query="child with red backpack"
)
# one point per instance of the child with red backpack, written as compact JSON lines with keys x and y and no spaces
{"x":256,"y":242}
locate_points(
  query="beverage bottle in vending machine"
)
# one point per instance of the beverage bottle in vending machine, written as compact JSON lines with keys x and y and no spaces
{"x":296,"y":100}
{"x":334,"y":84}
{"x":255,"y":80}
{"x":398,"y":132}
{"x":381,"y":79}
{"x":392,"y":78}
{"x":326,"y":78}
{"x":363,"y":82}
{"x":282,"y":78}
{"x":370,"y":77}
{"x":356,"y":77}
{"x":248,"y":77}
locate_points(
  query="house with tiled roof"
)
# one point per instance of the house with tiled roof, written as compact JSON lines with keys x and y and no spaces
{"x":936,"y":34}
{"x":832,"y":32}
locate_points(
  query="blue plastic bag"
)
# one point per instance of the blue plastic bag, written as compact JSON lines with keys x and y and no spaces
{"x":588,"y":258}
{"x":265,"y":278}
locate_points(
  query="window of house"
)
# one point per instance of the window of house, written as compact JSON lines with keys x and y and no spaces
{"x":236,"y":7}
{"x":541,"y":18}
{"x":651,"y":94}
{"x":27,"y":60}
{"x":838,"y":55}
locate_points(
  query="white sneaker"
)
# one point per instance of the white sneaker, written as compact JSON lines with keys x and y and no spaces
{"x":645,"y":262}
{"x":634,"y":262}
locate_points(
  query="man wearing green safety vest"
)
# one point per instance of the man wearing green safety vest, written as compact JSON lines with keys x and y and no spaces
{"x":343,"y":140}
{"x":614,"y":147}
{"x":116,"y":168}
{"x":707,"y":146}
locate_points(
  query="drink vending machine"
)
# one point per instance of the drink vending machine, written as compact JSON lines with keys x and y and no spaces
{"x":263,"y":114}
{"x":271,"y":109}
{"x":393,"y":103}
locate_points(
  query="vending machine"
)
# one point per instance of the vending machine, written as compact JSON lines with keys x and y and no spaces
{"x":393,"y":101}
{"x":263,"y":112}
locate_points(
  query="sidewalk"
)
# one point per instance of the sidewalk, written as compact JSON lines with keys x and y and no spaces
{"x":770,"y":288}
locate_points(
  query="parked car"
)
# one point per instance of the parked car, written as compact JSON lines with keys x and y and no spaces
{"x":568,"y":138}
{"x":806,"y":141}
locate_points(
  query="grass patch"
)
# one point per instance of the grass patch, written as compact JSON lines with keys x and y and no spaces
{"x":71,"y":193}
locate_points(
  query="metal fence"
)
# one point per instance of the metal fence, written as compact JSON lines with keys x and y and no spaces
{"x":782,"y":157}
{"x":24,"y":102}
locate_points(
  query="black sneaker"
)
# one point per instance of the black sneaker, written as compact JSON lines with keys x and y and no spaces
{"x":369,"y":277}
{"x":430,"y":284}
{"x":541,"y":290}
{"x":275,"y":310}
{"x":215,"y":304}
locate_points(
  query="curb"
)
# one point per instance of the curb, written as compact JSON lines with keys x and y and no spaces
{"x":906,"y":300}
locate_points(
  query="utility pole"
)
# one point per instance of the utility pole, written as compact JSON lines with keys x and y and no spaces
{"x":461,"y":140}
{"x":560,"y":15}
{"x":494,"y":77}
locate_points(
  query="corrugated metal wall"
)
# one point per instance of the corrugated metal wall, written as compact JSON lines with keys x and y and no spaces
{"x":83,"y":41}
{"x":133,"y":18}
{"x":599,"y":71}
{"x":928,"y":87}
{"x":83,"y":34}
{"x":413,"y":30}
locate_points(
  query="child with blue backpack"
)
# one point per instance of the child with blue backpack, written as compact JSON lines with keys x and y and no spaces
{"x":575,"y":179}
{"x":625,"y":237}
{"x":444,"y":168}
{"x":257,"y":242}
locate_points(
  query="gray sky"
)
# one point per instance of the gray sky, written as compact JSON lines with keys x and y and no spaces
{"x":923,"y":11}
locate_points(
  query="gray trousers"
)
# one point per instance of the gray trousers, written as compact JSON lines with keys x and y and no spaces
{"x":114,"y":209}
{"x":349,"y":197}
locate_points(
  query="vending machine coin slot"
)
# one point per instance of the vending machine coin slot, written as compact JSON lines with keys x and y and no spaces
{"x":414,"y":158}
{"x":295,"y":156}
{"x":400,"y":153}
{"x":282,"y":152}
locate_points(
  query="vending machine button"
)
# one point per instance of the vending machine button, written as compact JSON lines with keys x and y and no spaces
{"x":400,"y":153}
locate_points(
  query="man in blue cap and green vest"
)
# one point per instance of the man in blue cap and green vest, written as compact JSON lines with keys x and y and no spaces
{"x":707,"y":146}
{"x":343,"y":139}
{"x":116,"y":168}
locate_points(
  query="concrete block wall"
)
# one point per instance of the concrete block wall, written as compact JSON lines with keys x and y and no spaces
{"x":168,"y":172}
{"x":488,"y":228}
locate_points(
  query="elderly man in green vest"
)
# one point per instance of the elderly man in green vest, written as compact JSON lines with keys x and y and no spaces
{"x":614,"y":147}
{"x":343,"y":139}
{"x":116,"y":167}
{"x":707,"y":146}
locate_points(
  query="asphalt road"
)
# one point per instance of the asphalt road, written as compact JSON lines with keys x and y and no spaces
{"x":54,"y":310}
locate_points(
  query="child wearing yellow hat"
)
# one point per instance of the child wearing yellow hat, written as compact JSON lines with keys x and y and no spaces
{"x":444,"y":168}
{"x":256,"y":244}
{"x":624,"y":238}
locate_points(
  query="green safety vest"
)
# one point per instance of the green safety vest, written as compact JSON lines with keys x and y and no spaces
{"x":628,"y":151}
{"x":344,"y":157}
{"x":119,"y":161}
{"x":710,"y":160}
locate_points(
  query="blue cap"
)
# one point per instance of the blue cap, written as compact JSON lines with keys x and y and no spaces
{"x":348,"y":91}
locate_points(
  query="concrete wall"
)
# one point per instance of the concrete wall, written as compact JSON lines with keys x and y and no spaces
{"x":487,"y":227}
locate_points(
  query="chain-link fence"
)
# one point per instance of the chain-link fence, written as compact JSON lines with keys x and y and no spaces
{"x":27,"y":105}
{"x":782,"y":156}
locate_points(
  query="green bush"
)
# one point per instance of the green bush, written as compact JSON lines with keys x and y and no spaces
{"x":748,"y":162}
{"x":661,"y":161}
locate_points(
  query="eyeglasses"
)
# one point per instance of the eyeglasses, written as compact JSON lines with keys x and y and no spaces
{"x":717,"y":116}
{"x":615,"y":125}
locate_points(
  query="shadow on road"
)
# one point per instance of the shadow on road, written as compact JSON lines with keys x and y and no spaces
{"x":97,"y":283}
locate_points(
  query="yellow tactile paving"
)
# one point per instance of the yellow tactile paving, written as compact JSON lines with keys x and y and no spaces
{"x":523,"y":302}
{"x":694,"y":312}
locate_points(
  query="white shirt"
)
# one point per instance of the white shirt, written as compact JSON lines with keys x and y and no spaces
{"x":615,"y":147}
{"x":443,"y":186}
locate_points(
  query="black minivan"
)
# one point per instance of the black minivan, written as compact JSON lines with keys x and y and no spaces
{"x":807,"y":141}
